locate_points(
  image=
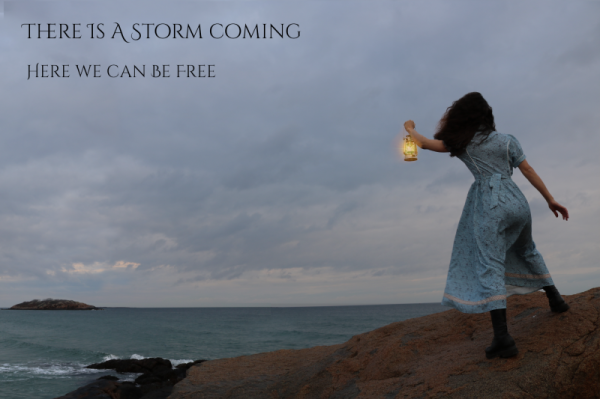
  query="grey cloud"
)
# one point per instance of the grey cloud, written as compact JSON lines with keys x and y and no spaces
{"x":340,"y":211}
{"x":286,"y":159}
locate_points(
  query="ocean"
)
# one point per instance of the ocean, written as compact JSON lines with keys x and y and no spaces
{"x":43,"y":353}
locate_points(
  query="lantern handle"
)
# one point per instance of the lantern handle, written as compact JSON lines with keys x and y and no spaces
{"x":422,"y":141}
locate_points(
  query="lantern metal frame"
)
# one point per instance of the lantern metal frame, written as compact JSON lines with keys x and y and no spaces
{"x":409,"y":148}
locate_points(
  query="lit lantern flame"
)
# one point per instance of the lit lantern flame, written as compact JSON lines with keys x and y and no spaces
{"x":409,"y":148}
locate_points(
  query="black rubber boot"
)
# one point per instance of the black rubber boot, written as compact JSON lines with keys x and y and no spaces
{"x":557,"y":303}
{"x":502,"y":345}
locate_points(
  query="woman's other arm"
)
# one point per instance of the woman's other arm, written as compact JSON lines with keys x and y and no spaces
{"x":537,"y":182}
{"x":422,"y":141}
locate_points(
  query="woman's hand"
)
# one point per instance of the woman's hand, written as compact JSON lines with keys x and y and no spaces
{"x":409,"y":125}
{"x":557,"y":208}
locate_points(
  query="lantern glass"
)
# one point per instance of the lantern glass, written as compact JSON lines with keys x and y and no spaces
{"x":409,"y":148}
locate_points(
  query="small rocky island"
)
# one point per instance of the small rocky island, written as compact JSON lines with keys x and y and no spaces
{"x":53,"y":304}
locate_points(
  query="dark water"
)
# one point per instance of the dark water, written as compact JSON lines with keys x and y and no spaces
{"x":43,"y":353}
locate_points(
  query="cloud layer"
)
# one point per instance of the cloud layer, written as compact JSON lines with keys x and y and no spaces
{"x":278,"y":182}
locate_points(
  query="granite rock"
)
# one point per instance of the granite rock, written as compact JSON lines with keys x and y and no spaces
{"x":435,"y":356}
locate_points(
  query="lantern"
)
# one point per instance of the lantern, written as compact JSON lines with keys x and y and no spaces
{"x":409,"y":148}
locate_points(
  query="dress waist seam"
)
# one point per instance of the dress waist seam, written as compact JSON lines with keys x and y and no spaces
{"x":485,"y":178}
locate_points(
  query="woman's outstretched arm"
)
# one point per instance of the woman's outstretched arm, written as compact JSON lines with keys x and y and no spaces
{"x":422,"y":141}
{"x":537,"y":182}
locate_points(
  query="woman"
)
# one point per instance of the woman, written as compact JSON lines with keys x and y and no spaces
{"x":493,"y":255}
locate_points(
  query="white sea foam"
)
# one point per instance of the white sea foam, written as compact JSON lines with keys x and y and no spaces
{"x":176,"y":362}
{"x":49,"y":369}
{"x":67,"y":369}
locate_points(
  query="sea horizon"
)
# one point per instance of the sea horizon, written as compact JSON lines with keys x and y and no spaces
{"x":243,"y":307}
{"x":44,"y":354}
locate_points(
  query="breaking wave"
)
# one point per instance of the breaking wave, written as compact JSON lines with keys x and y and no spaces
{"x":58,"y":369}
{"x":174,"y":362}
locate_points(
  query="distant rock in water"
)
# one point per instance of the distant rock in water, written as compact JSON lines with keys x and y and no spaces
{"x":53,"y":304}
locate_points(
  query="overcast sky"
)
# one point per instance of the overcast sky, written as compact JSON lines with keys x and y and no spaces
{"x":278,"y":181}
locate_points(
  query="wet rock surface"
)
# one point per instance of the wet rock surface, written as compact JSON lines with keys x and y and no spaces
{"x":53,"y":304}
{"x":156,"y":381}
{"x":436,"y":356}
{"x":99,"y":389}
{"x":150,"y":365}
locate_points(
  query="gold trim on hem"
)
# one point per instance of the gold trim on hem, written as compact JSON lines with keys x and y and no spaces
{"x":486,"y":300}
{"x":529,"y":276}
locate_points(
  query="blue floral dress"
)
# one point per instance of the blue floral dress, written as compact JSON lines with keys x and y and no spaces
{"x":494,"y":255}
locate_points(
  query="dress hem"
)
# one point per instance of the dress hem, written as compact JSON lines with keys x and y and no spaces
{"x":487,"y":304}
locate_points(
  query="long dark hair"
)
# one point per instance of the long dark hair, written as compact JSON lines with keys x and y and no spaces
{"x":465,"y":117}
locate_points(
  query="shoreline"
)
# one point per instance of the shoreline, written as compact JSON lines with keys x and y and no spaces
{"x":428,"y":356}
{"x":441,"y":354}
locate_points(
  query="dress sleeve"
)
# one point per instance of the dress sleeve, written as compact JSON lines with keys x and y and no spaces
{"x":515,"y":152}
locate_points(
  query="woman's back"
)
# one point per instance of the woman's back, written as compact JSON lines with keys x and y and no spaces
{"x":497,"y":154}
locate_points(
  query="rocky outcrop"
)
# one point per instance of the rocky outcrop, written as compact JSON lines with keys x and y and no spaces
{"x":104,"y":389}
{"x":436,"y":356}
{"x":53,"y":304}
{"x":150,"y":365}
{"x":156,"y":381}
